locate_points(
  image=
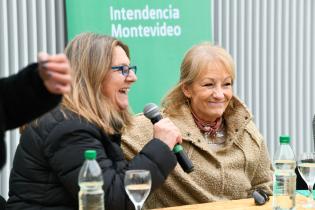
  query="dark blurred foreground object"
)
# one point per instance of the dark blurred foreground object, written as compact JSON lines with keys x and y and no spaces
{"x":23,"y":97}
{"x":2,"y":203}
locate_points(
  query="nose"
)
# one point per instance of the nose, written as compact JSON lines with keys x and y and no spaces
{"x":132,"y":77}
{"x":218,"y":93}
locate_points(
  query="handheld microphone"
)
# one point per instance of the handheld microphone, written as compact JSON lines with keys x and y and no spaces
{"x":152,"y":112}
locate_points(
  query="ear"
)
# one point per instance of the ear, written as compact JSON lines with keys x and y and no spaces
{"x":186,"y":90}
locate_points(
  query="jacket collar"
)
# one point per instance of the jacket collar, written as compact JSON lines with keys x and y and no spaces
{"x":236,"y":117}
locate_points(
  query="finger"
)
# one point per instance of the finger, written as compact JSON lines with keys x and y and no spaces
{"x":62,"y":89}
{"x":44,"y":74}
{"x":63,"y":68}
{"x":57,"y":88}
{"x":59,"y":78}
{"x":42,"y":60}
{"x":42,"y":57}
{"x":59,"y":58}
{"x":179,"y":139}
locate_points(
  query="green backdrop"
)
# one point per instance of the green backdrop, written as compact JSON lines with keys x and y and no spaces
{"x":158,"y":32}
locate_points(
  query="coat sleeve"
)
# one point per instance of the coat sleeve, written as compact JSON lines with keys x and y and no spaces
{"x":72,"y":138}
{"x":136,"y":136}
{"x":263,"y":174}
{"x":24,"y":97}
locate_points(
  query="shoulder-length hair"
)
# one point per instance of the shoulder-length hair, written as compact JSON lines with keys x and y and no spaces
{"x":196,"y":59}
{"x":90,"y":57}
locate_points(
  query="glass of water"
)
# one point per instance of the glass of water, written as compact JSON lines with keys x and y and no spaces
{"x":137,"y":186}
{"x":306,"y":166}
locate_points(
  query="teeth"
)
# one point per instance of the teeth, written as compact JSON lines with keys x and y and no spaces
{"x":125,"y":90}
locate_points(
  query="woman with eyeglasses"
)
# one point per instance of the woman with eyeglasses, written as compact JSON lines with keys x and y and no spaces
{"x":92,"y":116}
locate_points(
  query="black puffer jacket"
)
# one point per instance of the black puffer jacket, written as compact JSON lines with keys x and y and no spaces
{"x":23,"y":97}
{"x":50,"y":155}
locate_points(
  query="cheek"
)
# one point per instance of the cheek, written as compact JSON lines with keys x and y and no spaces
{"x":109,"y":88}
{"x":105,"y":89}
{"x":200,"y":98}
{"x":229,"y":94}
{"x":204,"y":96}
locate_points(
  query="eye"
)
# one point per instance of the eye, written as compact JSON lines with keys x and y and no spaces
{"x":209,"y":85}
{"x":125,"y":70}
{"x":228,"y":84}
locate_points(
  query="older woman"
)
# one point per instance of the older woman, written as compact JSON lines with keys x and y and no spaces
{"x":219,"y":135}
{"x":92,"y":116}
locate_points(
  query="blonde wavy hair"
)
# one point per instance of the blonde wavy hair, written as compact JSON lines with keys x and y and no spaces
{"x":90,"y":57}
{"x":196,"y":59}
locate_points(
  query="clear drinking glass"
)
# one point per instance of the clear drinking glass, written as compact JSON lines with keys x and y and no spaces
{"x":306,"y":166}
{"x":137,"y":186}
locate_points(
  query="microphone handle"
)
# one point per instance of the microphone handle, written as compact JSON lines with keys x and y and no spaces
{"x":181,"y":155}
{"x":156,"y":119}
{"x":182,"y":159}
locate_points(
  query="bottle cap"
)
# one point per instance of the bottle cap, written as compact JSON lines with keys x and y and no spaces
{"x":90,"y":154}
{"x":285,"y":139}
{"x":177,"y":148}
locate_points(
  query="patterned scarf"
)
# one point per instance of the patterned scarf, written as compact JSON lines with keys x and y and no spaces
{"x":208,"y":128}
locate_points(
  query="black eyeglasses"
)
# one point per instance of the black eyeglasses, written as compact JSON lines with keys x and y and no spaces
{"x":125,"y":69}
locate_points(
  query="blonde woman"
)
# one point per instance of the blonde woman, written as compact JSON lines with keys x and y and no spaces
{"x":92,"y":116}
{"x":228,"y":152}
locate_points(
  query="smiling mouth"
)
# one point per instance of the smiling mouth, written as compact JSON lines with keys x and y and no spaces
{"x":124,"y":90}
{"x":216,"y":103}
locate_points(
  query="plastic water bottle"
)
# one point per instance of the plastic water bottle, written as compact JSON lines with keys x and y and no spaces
{"x":284,"y":178}
{"x":91,"y":195}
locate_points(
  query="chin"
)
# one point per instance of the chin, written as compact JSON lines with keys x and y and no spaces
{"x":217,"y":114}
{"x":123,"y":107}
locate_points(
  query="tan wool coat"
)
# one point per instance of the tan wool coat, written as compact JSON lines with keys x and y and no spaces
{"x":231,"y":172}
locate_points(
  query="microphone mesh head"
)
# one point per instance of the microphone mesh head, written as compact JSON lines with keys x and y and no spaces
{"x":151,"y":110}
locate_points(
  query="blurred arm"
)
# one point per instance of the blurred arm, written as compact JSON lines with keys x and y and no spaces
{"x":24,"y":97}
